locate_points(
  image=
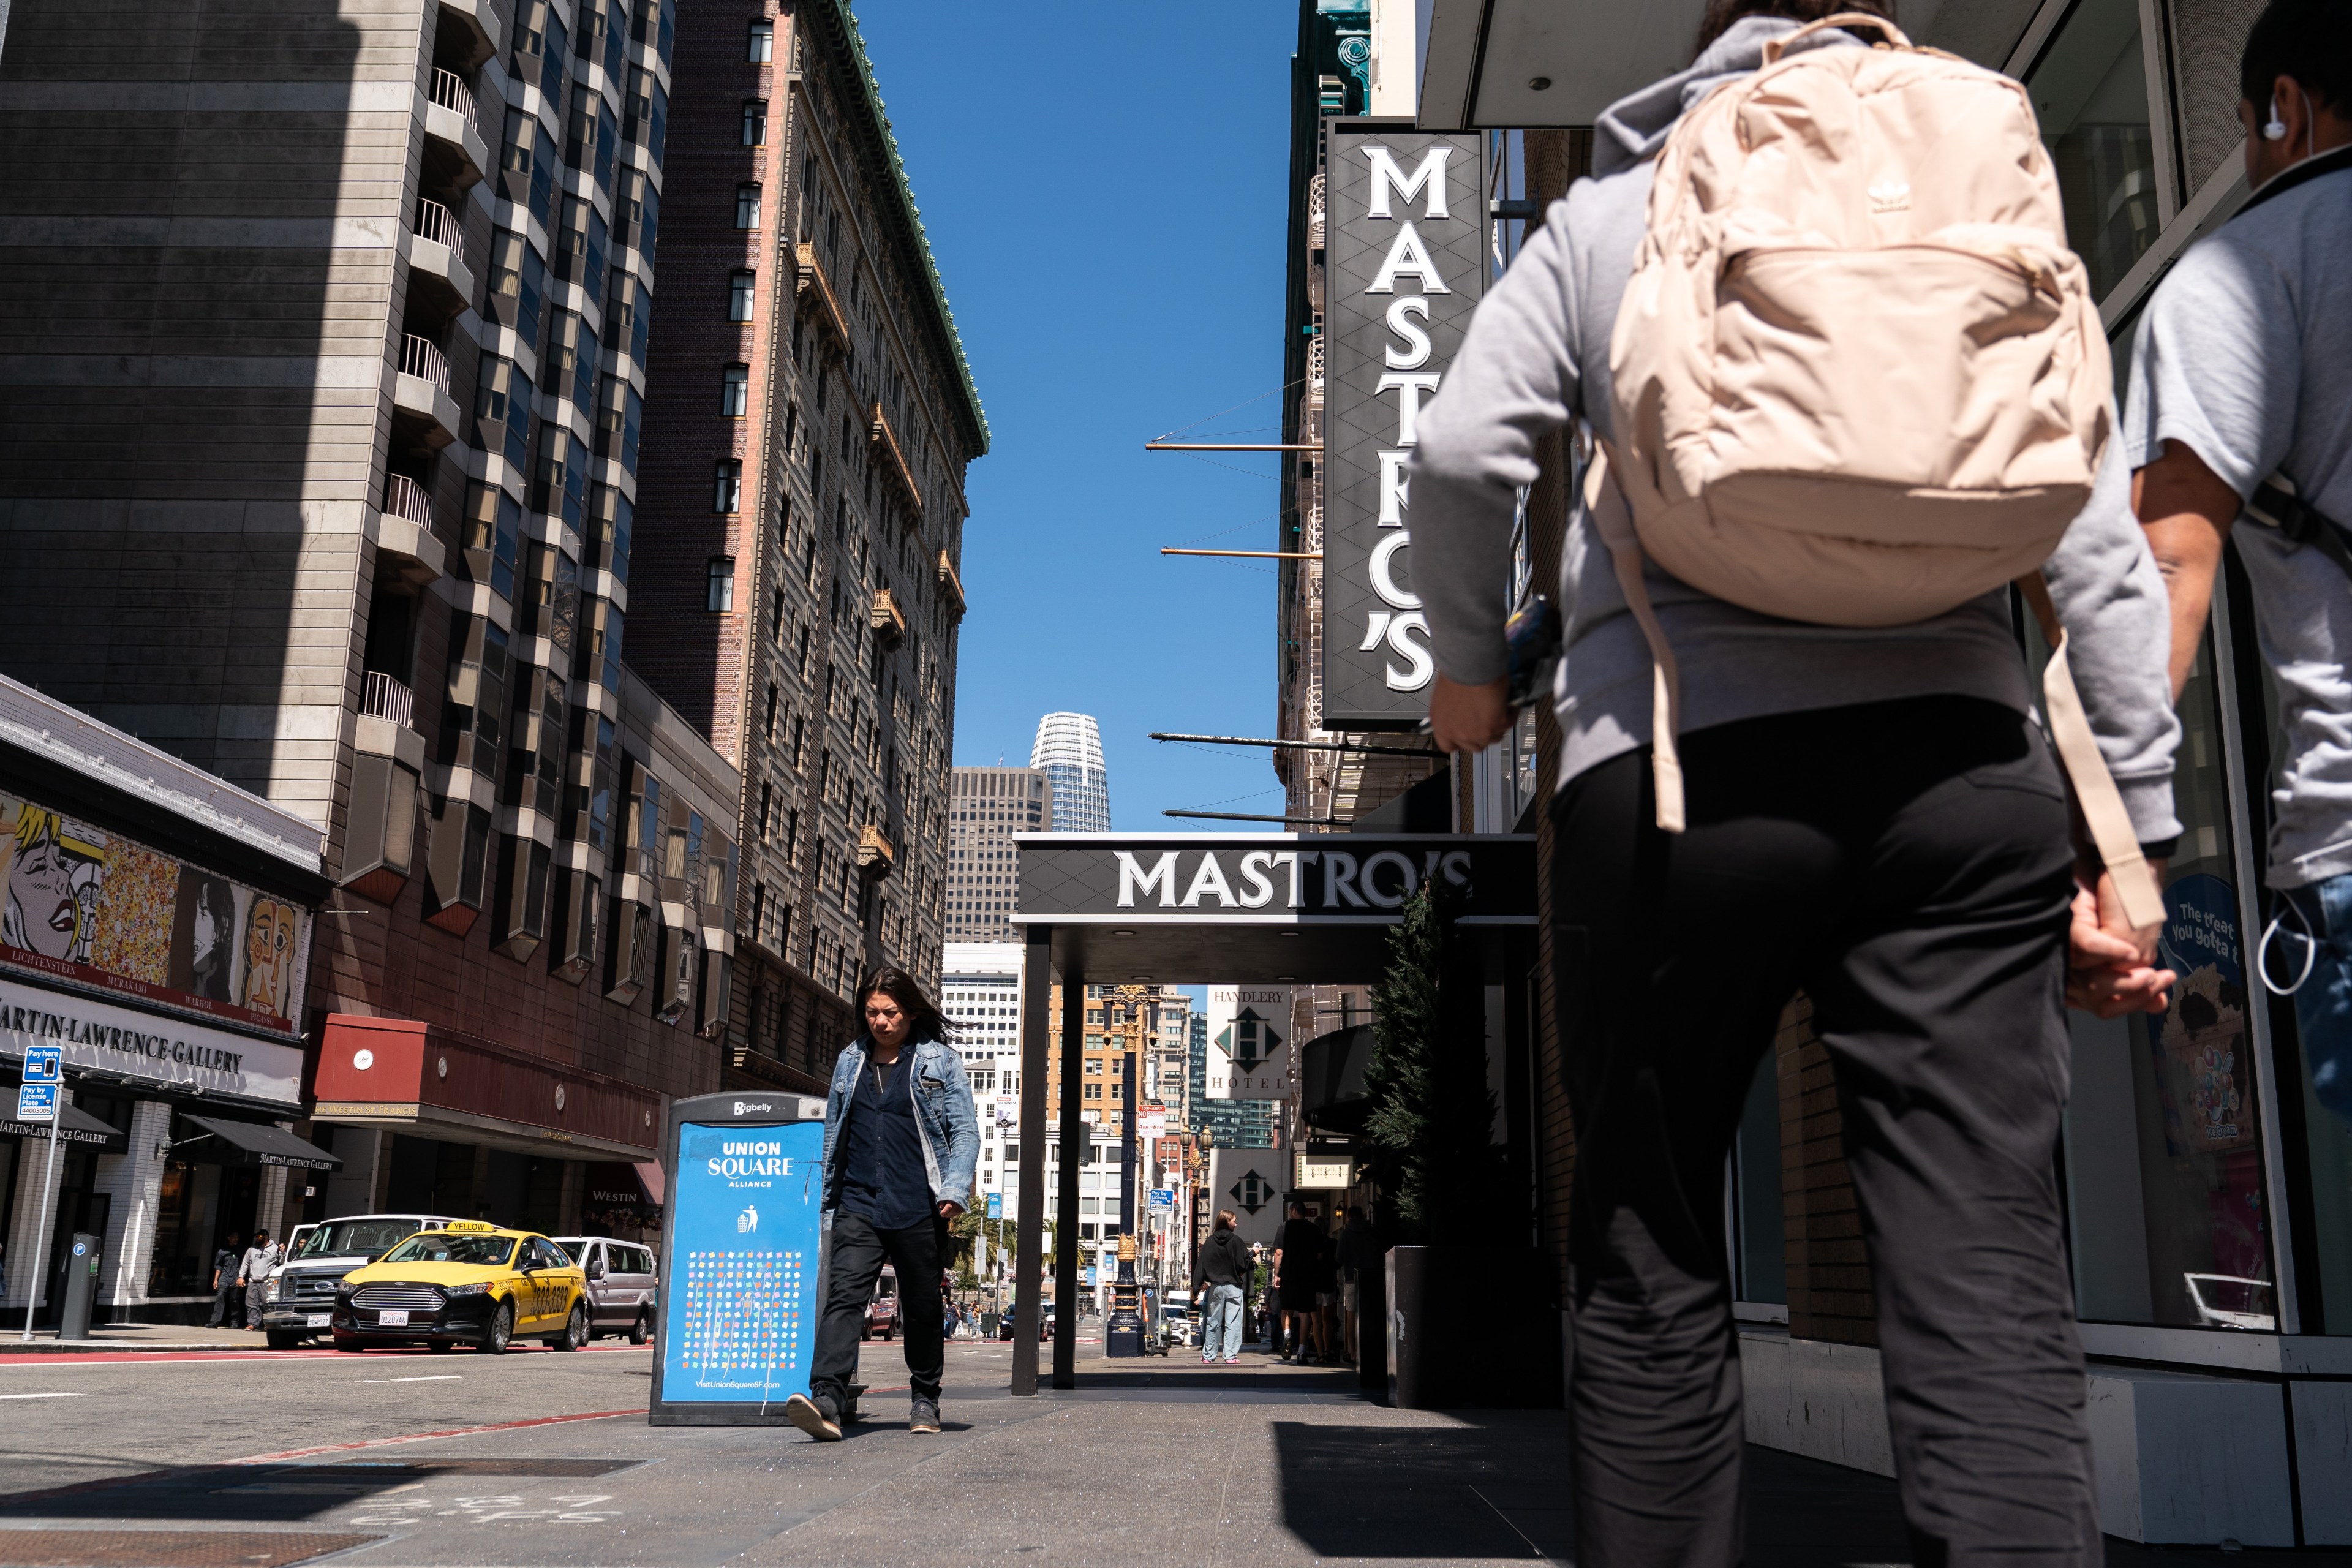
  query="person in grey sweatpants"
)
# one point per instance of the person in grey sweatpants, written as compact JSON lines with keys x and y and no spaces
{"x":1874,"y":820}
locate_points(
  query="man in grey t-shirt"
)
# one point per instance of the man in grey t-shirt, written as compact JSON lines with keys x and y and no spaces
{"x":2242,"y":375}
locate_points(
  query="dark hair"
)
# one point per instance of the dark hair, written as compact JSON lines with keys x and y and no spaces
{"x":1719,"y":15}
{"x":2309,"y":40}
{"x":923,"y":1019}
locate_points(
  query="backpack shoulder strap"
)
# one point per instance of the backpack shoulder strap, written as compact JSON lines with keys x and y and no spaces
{"x":2276,"y":502}
{"x":2101,"y":802}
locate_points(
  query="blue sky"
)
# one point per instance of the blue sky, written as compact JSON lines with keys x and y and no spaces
{"x":1103,"y":185}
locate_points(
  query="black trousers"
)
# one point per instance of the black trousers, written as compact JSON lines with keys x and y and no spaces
{"x":1906,"y":865}
{"x":854,"y":1262}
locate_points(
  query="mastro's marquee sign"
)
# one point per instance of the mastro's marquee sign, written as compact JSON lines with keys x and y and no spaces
{"x":1407,"y":260}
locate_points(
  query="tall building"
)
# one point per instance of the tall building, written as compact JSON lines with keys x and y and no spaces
{"x":1069,"y":750}
{"x":984,"y":866}
{"x":324,"y":418}
{"x":796,"y":591}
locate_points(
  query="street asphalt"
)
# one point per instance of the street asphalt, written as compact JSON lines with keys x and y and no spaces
{"x":396,"y":1459}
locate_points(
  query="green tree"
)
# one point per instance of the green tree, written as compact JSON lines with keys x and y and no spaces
{"x":1431,"y":1133}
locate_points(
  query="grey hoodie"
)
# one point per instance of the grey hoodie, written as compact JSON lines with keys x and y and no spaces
{"x":1537,"y":355}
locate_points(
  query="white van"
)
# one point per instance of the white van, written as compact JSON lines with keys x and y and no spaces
{"x":621,"y":1284}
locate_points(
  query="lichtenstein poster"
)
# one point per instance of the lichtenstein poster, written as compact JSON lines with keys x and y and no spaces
{"x":80,"y":904}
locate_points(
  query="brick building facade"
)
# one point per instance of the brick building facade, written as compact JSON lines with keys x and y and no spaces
{"x":797,"y":589}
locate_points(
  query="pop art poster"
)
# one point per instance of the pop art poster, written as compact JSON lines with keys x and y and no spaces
{"x":2200,"y":1046}
{"x":87,"y":905}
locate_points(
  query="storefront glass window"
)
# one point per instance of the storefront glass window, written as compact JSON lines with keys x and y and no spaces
{"x":2090,"y":89}
{"x":2164,"y":1149}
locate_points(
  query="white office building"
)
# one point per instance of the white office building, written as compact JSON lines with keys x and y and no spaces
{"x":980,"y":992}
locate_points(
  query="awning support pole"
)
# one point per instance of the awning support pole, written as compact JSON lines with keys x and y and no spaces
{"x":1029,"y":1201}
{"x":1076,"y":1143}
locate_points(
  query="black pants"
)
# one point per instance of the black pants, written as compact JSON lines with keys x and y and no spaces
{"x":1906,"y":865}
{"x":228,"y":1305}
{"x":854,"y":1264}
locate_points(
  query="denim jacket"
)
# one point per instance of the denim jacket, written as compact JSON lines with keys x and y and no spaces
{"x":943,"y":1109}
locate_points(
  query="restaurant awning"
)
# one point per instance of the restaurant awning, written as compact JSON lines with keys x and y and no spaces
{"x":263,"y":1144}
{"x":77,"y":1127}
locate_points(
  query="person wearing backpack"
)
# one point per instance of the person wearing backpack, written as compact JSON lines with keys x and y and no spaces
{"x":1798,"y":752}
{"x":2241,"y":401}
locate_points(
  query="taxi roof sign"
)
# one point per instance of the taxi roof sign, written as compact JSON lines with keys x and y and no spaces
{"x":470,"y":1224}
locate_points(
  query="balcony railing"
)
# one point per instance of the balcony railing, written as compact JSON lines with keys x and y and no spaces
{"x":382,"y":696}
{"x":875,"y":856}
{"x":435,"y":223}
{"x":403,"y":497}
{"x":450,"y":91}
{"x":420,"y":358}
{"x":887,"y":621}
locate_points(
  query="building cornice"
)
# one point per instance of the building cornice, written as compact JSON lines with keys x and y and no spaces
{"x":835,"y":31}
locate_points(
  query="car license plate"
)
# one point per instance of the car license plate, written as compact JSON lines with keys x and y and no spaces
{"x":316,"y":1320}
{"x":392,"y":1317}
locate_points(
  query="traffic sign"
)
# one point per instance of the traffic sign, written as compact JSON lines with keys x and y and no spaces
{"x":37,"y":1102}
{"x":44,"y":1064}
{"x":1164,"y":1197}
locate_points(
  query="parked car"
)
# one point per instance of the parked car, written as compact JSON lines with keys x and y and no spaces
{"x":1011,"y":1315}
{"x":468,"y":1283}
{"x":299,"y":1303}
{"x":621,"y":1284}
{"x":882,"y":1307}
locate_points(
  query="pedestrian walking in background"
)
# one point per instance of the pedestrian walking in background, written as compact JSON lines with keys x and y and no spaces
{"x":1863,"y":811}
{"x":255,"y":1270}
{"x":229,"y":1296}
{"x":1221,"y":1276}
{"x":2240,"y":402}
{"x":1295,"y":1264}
{"x":1357,"y":1252}
{"x":1326,"y":1296}
{"x":901,"y":1140}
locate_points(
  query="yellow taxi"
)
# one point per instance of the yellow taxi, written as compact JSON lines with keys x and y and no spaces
{"x":467,"y":1283}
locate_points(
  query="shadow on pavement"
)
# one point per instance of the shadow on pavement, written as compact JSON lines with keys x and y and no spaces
{"x":273,"y":1494}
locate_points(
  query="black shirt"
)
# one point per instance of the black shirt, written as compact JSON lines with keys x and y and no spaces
{"x":882,"y":1171}
{"x":1302,"y":1251}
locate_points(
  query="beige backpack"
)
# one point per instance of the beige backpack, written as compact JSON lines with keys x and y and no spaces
{"x":1859,"y":378}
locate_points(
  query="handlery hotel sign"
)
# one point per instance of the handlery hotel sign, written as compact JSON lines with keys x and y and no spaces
{"x":1406,"y":262}
{"x":118,"y":1042}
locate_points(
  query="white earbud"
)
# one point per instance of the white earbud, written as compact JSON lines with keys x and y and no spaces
{"x":2275,"y":129}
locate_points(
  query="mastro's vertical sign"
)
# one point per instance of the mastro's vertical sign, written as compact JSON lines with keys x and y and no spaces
{"x":1407,"y":261}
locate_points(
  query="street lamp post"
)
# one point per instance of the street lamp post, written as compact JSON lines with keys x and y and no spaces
{"x":1123,"y":1329}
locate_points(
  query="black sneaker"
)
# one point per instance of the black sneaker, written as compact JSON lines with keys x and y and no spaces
{"x":810,"y":1417}
{"x":924,"y":1417}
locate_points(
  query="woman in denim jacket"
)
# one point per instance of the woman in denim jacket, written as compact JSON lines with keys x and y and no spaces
{"x":900,"y":1141}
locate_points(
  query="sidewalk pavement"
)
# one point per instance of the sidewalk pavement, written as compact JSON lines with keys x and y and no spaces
{"x":116,"y":1338}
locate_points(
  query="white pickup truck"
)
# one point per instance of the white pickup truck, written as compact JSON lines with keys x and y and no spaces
{"x":296,"y":1304}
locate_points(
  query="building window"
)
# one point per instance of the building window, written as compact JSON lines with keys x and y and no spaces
{"x":735,"y":390}
{"x":747,"y":207}
{"x":755,"y":122}
{"x":740,"y":288}
{"x":767,"y":810}
{"x":721,"y":599}
{"x":727,"y":485}
{"x":763,"y":43}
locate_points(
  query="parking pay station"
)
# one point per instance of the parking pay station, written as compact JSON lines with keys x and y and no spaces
{"x":741,"y":1258}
